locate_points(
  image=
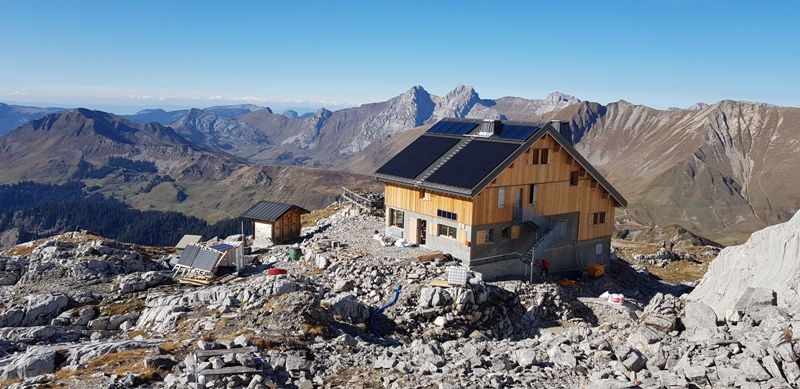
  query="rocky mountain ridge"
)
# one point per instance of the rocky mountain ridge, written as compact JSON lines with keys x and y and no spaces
{"x":722,"y":170}
{"x":13,"y":116}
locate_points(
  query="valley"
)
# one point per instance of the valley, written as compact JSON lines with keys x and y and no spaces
{"x":719,"y":171}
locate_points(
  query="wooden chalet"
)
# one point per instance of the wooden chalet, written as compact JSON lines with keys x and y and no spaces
{"x":274,"y":223}
{"x":500,"y":196}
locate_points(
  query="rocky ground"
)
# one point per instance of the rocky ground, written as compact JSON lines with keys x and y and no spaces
{"x":82,"y":311}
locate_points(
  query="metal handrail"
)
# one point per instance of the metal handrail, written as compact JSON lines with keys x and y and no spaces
{"x":529,"y":214}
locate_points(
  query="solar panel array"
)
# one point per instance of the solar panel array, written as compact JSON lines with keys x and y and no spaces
{"x":474,"y":162}
{"x":188,"y":255}
{"x":420,"y":154}
{"x":199,"y":258}
{"x":206,"y":260}
{"x":518,"y":132}
{"x":452,"y":128}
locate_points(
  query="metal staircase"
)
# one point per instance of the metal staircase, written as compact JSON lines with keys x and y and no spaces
{"x":546,"y":230}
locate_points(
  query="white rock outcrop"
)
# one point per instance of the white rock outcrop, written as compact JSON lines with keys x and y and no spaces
{"x":769,"y":259}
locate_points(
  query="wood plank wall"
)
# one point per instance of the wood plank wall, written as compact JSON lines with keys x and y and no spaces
{"x":427,"y":203}
{"x":288,"y":226}
{"x":554,"y":194}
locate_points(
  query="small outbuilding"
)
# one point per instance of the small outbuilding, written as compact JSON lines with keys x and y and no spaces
{"x":274,"y":223}
{"x":185,"y":241}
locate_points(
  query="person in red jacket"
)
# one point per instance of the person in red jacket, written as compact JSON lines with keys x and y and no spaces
{"x":545,"y":268}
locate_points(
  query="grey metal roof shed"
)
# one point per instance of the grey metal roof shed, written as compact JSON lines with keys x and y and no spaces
{"x":270,"y":210}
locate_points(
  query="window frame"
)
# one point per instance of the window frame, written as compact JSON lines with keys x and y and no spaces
{"x":447,"y":231}
{"x":573,"y":178}
{"x":598,"y":218}
{"x":501,"y":197}
{"x":393,"y":216}
{"x":540,"y":156}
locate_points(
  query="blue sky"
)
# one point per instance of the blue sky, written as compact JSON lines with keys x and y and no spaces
{"x":123,"y":56}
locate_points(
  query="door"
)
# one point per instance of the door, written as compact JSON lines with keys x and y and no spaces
{"x":423,"y":226}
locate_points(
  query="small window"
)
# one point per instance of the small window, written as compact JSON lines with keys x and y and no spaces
{"x":506,"y":232}
{"x":489,"y":235}
{"x":540,"y":156}
{"x":598,"y":249}
{"x":573,"y":178}
{"x":445,"y":230}
{"x":396,"y":218}
{"x":446,"y":214}
{"x":599,"y":218}
{"x":501,"y":197}
{"x":532,"y":194}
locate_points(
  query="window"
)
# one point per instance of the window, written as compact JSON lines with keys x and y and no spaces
{"x":541,"y":156}
{"x":501,"y":197}
{"x":488,"y":235}
{"x":506,"y":232}
{"x":396,"y":218}
{"x":445,"y":230}
{"x":532,"y":194}
{"x":573,"y":178}
{"x":598,"y":249}
{"x":599,"y":218}
{"x":446,"y":214}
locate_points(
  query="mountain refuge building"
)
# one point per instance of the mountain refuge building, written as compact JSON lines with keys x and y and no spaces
{"x":501,"y":196}
{"x":274,"y":223}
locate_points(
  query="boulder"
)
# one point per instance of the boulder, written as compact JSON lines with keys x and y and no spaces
{"x":698,"y":315}
{"x":40,"y":310}
{"x":8,"y":278}
{"x":34,"y":362}
{"x":346,"y":307}
{"x":769,"y":257}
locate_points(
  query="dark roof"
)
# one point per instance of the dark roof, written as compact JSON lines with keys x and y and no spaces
{"x":418,"y":156}
{"x":269,"y":210}
{"x":454,"y":156}
{"x":474,"y":161}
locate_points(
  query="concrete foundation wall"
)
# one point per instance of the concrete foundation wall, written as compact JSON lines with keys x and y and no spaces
{"x":562,"y":253}
{"x":513,"y":268}
{"x":444,"y":244}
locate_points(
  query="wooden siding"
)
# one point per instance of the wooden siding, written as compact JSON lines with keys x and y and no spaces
{"x":554,"y":194}
{"x":287,"y":227}
{"x":412,"y":199}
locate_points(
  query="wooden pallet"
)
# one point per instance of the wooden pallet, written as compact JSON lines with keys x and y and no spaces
{"x":429,"y":257}
{"x":352,"y":254}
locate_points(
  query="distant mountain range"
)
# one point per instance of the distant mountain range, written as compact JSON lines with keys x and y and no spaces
{"x":721,"y":170}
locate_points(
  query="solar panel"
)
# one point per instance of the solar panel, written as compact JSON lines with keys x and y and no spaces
{"x":188,"y":255}
{"x":518,"y":132}
{"x":415,"y":158}
{"x":222,"y":246}
{"x":206,"y":260}
{"x":452,"y":128}
{"x":474,"y":162}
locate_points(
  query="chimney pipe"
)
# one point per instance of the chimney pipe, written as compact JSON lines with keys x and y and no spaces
{"x":490,"y":127}
{"x":563,"y":130}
